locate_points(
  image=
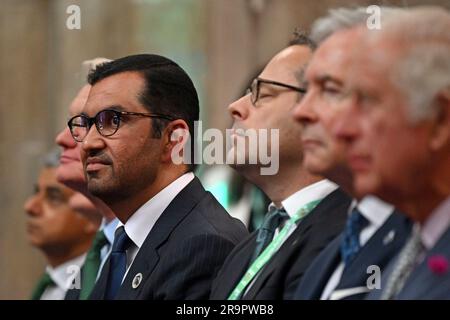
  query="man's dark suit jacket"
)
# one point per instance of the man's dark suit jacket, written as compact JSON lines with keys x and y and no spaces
{"x":183,"y":252}
{"x":379,"y":250}
{"x":279,"y":278}
{"x":424,"y":282}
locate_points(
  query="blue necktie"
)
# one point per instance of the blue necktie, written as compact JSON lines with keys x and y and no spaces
{"x":272,"y":221}
{"x":117,"y":263}
{"x":350,"y":244}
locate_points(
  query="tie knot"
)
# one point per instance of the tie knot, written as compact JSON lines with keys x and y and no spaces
{"x":47,"y":280}
{"x":265,"y":234}
{"x":350,"y":244}
{"x":121,"y":240}
{"x":416,"y":237}
{"x":274,"y":218}
{"x":356,"y":222}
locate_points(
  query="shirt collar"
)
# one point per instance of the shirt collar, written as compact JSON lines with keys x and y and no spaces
{"x":142,"y":221}
{"x":109,"y":229}
{"x":435,"y":226}
{"x":64,"y":272}
{"x":375,"y":210}
{"x":313,"y":192}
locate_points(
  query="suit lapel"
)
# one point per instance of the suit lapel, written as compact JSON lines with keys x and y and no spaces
{"x":324,"y":267}
{"x":148,"y":255}
{"x":243,"y":253}
{"x":72,"y":294}
{"x":379,"y":250}
{"x":273,"y":263}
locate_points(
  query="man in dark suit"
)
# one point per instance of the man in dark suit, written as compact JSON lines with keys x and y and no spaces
{"x":374,"y":232}
{"x":173,"y":235}
{"x":401,"y":138}
{"x":306,"y":212}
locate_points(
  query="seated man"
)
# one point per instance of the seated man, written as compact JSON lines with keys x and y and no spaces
{"x":70,"y":173}
{"x":173,"y":236}
{"x":397,"y":126}
{"x":307,"y":211}
{"x":374,"y":230}
{"x":62,"y":234}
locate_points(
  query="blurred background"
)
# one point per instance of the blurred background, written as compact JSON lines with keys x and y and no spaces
{"x":220,"y":43}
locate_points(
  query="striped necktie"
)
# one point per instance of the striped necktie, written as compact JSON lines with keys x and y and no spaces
{"x":404,"y":265}
{"x":274,"y":218}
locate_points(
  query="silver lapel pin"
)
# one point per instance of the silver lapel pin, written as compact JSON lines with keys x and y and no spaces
{"x":389,"y":237}
{"x":136,"y":280}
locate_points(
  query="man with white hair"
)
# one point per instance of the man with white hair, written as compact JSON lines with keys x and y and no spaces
{"x":70,"y":172}
{"x":399,"y":106}
{"x":374,"y":232}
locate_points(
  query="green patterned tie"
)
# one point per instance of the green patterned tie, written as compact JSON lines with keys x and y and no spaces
{"x":266,"y":231}
{"x":91,"y":265}
{"x":43,"y":283}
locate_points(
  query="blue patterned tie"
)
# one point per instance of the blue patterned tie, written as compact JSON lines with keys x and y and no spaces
{"x":272,"y":221}
{"x":117,"y":262}
{"x":350,"y":244}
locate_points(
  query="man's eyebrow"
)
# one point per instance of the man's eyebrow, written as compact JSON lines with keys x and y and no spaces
{"x":54,"y":190}
{"x":300,"y":76}
{"x":115,"y":107}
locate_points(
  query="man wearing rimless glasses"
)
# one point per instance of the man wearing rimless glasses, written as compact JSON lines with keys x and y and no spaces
{"x":306,"y":212}
{"x":172,"y":235}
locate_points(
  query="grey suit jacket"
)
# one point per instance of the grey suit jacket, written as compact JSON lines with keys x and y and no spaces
{"x":423,"y":283}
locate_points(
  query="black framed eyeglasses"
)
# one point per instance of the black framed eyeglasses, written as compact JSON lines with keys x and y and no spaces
{"x":106,"y":121}
{"x":254,"y":88}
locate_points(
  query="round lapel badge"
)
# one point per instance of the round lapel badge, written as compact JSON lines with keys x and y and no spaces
{"x":389,"y":237}
{"x":136,"y":280}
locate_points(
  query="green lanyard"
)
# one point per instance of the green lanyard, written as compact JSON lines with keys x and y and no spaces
{"x":271,"y":249}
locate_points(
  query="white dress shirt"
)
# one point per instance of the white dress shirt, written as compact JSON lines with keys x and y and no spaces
{"x":142,"y":221}
{"x":62,"y":276}
{"x":436,"y":225}
{"x":313,"y":192}
{"x":434,"y":228}
{"x":376,"y":212}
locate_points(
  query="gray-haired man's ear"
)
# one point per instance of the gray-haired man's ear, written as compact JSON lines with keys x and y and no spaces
{"x":441,"y":132}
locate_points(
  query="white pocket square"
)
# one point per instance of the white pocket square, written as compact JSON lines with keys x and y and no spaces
{"x":343,"y":293}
